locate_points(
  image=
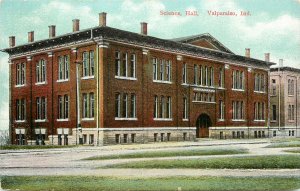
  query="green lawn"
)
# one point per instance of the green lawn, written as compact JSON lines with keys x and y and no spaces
{"x":249,"y":162}
{"x":293,"y":151}
{"x":284,"y":144}
{"x":78,"y":183}
{"x":20,"y":147}
{"x":151,"y":154}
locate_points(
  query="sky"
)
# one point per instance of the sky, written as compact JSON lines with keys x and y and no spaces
{"x":273,"y":25}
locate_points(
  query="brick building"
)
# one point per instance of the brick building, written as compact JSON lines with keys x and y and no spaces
{"x":285,"y":89}
{"x":105,"y":86}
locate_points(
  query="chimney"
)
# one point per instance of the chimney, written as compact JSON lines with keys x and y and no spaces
{"x":31,"y":36}
{"x":75,"y":25}
{"x":143,"y":28}
{"x":102,"y":19}
{"x":280,"y":63}
{"x":51,"y":31}
{"x":267,"y":57}
{"x":247,"y":52}
{"x":12,"y":41}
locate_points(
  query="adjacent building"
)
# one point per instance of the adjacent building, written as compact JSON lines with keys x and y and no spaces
{"x":285,"y":102}
{"x":103,"y":86}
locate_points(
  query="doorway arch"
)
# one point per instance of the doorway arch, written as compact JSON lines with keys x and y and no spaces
{"x":202,"y":126}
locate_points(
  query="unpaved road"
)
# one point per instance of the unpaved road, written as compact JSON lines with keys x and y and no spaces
{"x":68,"y":161}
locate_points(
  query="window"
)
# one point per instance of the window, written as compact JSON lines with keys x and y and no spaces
{"x":117,"y":64}
{"x":168,"y":70}
{"x":125,"y":137}
{"x":63,"y":67}
{"x":155,"y":137}
{"x":273,"y":114}
{"x":21,"y":74}
{"x":221,"y":110}
{"x":238,"y":110}
{"x":88,"y":63}
{"x":88,"y":105}
{"x":211,"y":77}
{"x":168,"y":136}
{"x":184,"y":74}
{"x":63,"y":107}
{"x":118,"y":138}
{"x":41,"y":71}
{"x":162,"y":107}
{"x":162,"y":137}
{"x":273,"y":88}
{"x":20,"y":109}
{"x":259,"y":82}
{"x":84,"y":138}
{"x":274,"y":133}
{"x":259,"y":111}
{"x":237,"y":80}
{"x":162,"y":70}
{"x":125,"y":65}
{"x":233,"y":134}
{"x":41,"y":108}
{"x":133,"y":138}
{"x":291,"y":86}
{"x":291,"y":112}
{"x":196,"y":74}
{"x":91,"y":139}
{"x":204,"y":97}
{"x":154,"y":62}
{"x":20,"y":139}
{"x":184,"y":136}
{"x":185,"y":108}
{"x":133,"y":106}
{"x":117,"y":105}
{"x":125,"y":108}
{"x":221,"y":78}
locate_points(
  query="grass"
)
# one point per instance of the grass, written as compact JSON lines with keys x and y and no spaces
{"x":293,"y":151}
{"x":20,"y":147}
{"x":249,"y":162}
{"x":284,"y":144}
{"x":77,"y":183}
{"x":151,"y":154}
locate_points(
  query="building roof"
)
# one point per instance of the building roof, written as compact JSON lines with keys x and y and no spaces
{"x":285,"y":68}
{"x":113,"y":34}
{"x":204,"y":37}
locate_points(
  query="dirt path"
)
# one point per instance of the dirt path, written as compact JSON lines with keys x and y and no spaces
{"x":68,"y":161}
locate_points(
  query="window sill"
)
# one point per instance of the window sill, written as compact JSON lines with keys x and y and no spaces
{"x":185,"y":119}
{"x":204,"y":102}
{"x":238,"y":120}
{"x":20,"y":121}
{"x":238,"y":90}
{"x":291,"y":95}
{"x":163,"y":119}
{"x":125,"y":78}
{"x":125,"y":119}
{"x":221,"y":88}
{"x":273,"y":95}
{"x":202,"y":86}
{"x":40,"y":120}
{"x":162,"y":81}
{"x":63,"y":80}
{"x":87,"y":119}
{"x":256,"y":120}
{"x":87,"y":77}
{"x":221,"y":120}
{"x":273,"y":121}
{"x":291,"y":121}
{"x":259,"y":92}
{"x":62,"y":119}
{"x":19,"y":85}
{"x":40,"y":83}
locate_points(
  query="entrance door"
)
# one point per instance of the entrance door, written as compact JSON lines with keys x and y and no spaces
{"x":202,"y":126}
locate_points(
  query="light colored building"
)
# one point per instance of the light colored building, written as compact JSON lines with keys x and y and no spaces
{"x":285,"y":117}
